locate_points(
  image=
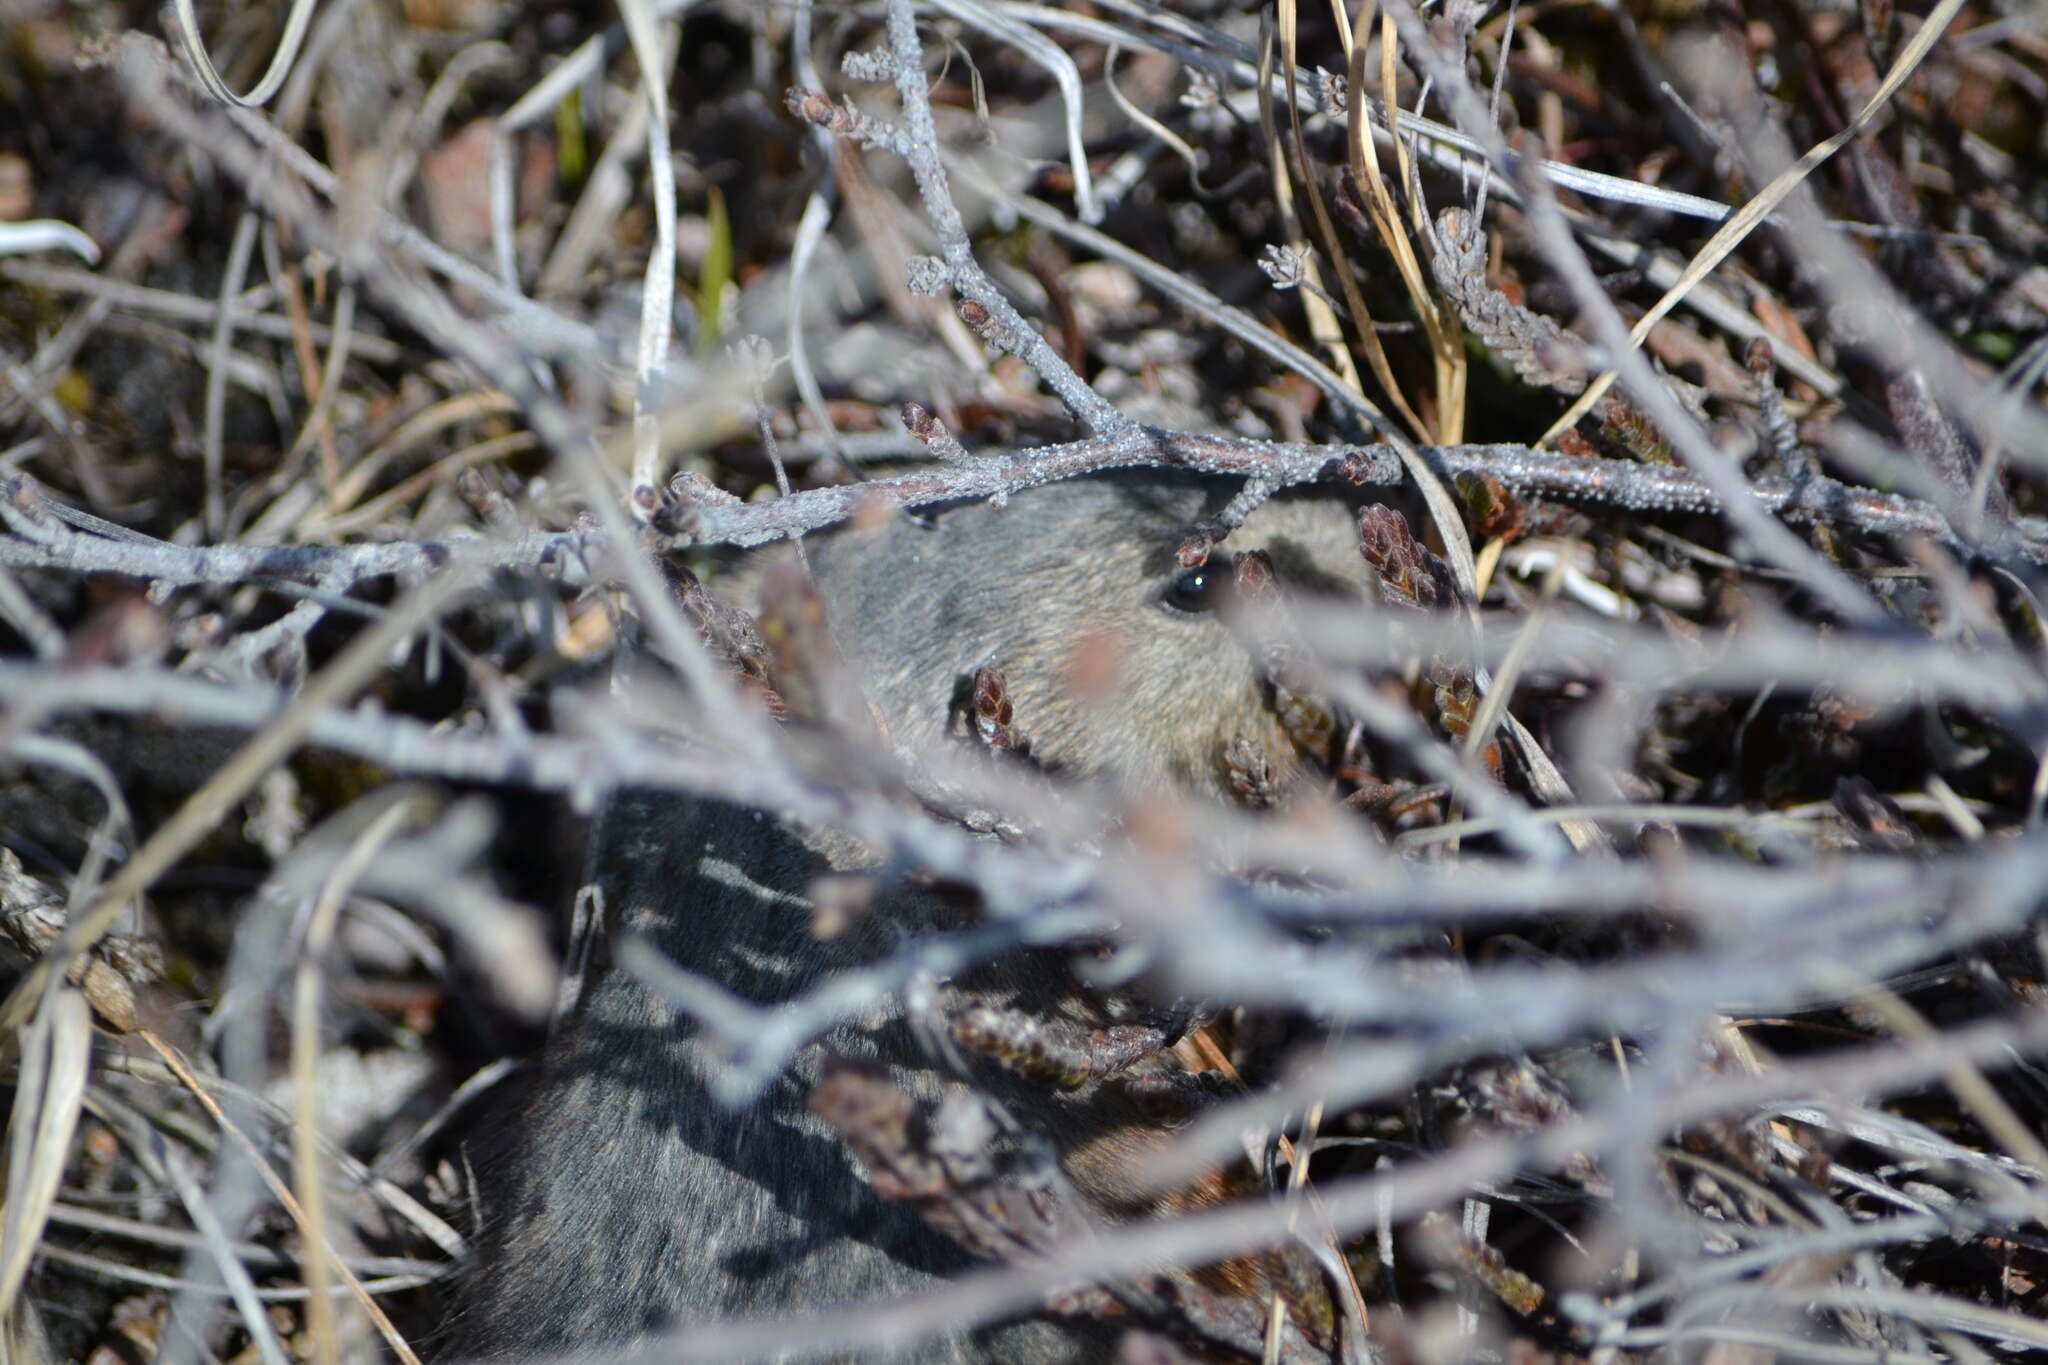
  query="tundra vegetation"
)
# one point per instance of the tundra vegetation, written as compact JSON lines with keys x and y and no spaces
{"x":1613,"y":934}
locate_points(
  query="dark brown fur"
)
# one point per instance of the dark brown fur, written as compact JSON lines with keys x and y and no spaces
{"x":637,"y":1202}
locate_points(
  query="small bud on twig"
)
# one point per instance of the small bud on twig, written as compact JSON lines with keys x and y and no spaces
{"x":924,"y":424}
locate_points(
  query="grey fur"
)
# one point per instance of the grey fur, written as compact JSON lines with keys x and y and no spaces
{"x":1020,"y":587}
{"x":634,"y":1200}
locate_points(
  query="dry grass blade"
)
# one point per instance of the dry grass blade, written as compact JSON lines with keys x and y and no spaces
{"x":308,"y":1176}
{"x":184,"y":1337}
{"x":202,"y":811}
{"x":416,"y":432}
{"x":1446,"y":338}
{"x":1688,"y":440}
{"x":1632,"y":908}
{"x":323,"y":379}
{"x":1506,"y":677}
{"x":1752,"y":214}
{"x":45,"y":234}
{"x":603,"y":194}
{"x":217,"y":368}
{"x":1326,"y":231}
{"x":1322,"y":318}
{"x":297,"y":19}
{"x":1968,"y":1082}
{"x":46,"y":1102}
{"x":281,"y":1192}
{"x":1047,"y":55}
{"x":1241,"y":324}
{"x":655,"y":47}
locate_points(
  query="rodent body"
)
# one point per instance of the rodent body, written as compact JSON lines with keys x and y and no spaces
{"x":637,"y":1202}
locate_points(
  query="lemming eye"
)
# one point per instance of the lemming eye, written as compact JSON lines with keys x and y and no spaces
{"x":1198,"y":591}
